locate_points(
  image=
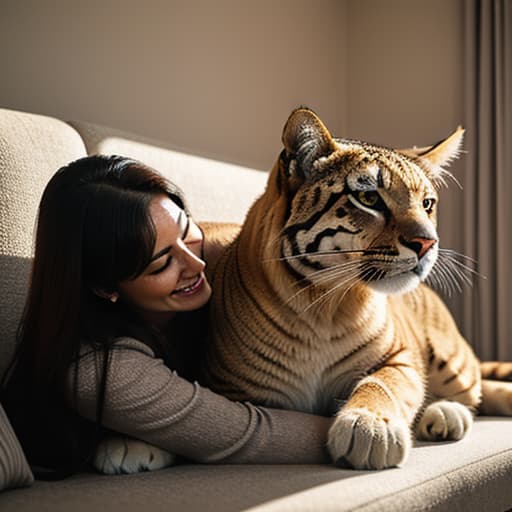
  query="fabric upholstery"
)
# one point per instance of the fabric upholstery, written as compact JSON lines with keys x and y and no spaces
{"x":472,"y":475}
{"x":215,"y":191}
{"x":32,"y":148}
{"x":14,"y":469}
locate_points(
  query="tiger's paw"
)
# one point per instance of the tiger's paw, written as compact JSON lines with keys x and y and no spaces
{"x":123,"y":455}
{"x":362,"y":439}
{"x":443,"y":421}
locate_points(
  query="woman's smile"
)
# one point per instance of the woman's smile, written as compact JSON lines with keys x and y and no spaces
{"x":192,"y":288}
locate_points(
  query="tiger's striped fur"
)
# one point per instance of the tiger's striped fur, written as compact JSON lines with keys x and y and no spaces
{"x":319,"y":301}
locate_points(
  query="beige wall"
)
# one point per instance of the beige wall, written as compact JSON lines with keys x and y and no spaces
{"x":215,"y":77}
{"x":405,"y":64}
{"x":219,"y":78}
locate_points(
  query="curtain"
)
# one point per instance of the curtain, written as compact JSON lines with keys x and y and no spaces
{"x":487,"y":306}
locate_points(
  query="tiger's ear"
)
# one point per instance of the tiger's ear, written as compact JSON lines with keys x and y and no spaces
{"x":306,"y":139}
{"x":436,"y":157}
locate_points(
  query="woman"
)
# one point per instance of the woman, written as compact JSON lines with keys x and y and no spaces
{"x":115,"y":306}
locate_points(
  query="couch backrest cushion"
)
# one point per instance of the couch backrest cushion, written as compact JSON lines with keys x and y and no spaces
{"x":215,"y":191}
{"x":32,"y":148}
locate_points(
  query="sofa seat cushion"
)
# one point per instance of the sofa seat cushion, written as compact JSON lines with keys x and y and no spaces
{"x":474,"y":474}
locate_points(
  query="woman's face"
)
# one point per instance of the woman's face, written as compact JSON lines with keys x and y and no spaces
{"x":174,"y":280}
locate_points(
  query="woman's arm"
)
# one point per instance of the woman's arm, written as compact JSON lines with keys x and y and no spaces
{"x":148,"y":401}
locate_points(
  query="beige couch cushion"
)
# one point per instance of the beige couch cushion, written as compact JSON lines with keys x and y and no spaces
{"x":215,"y":191}
{"x":32,"y":148}
{"x":472,"y":475}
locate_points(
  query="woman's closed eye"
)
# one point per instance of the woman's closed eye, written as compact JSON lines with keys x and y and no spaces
{"x":168,"y":261}
{"x":187,"y":238}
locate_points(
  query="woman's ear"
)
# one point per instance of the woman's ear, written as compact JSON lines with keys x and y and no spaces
{"x":111,"y":296}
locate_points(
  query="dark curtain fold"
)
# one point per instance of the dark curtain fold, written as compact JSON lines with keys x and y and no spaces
{"x":487,"y":312}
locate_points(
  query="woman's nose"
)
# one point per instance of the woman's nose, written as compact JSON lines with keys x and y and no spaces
{"x":190,"y":261}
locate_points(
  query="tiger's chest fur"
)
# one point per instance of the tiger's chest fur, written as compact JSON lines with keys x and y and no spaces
{"x":292,"y":364}
{"x":274,"y":355}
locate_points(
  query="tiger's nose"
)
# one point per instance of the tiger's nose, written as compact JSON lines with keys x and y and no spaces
{"x":418,"y":244}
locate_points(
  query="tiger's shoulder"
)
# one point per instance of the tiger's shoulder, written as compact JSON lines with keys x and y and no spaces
{"x":217,"y":237}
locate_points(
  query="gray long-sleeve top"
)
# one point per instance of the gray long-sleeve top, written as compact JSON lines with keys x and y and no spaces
{"x":148,"y":401}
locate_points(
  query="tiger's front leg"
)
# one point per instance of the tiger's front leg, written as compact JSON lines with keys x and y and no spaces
{"x":372,"y":430}
{"x":454,"y":381}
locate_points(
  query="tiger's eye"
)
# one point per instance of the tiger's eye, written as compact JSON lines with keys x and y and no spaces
{"x":368,"y":198}
{"x":428,"y":204}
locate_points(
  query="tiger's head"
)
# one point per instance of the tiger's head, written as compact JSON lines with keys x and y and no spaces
{"x":359,"y":213}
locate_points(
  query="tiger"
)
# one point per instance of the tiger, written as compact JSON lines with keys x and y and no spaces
{"x":321,"y":305}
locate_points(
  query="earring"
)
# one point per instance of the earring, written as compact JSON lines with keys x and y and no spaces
{"x":113,"y":298}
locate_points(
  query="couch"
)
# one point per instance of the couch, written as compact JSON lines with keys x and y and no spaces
{"x":474,"y":474}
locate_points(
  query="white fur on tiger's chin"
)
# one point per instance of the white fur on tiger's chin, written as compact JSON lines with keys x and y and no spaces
{"x":367,"y":441}
{"x":407,"y":280}
{"x":123,"y":455}
{"x":401,"y":283}
{"x":395,"y":285}
{"x":443,"y":421}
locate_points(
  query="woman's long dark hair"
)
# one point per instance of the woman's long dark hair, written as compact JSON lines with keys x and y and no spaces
{"x":94,"y":230}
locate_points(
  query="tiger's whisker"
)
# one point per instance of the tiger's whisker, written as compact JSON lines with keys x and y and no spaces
{"x":355,"y":279}
{"x":345,"y":266}
{"x":463,"y":265}
{"x":457,"y":271}
{"x":350,"y":273}
{"x":436,"y":281}
{"x":318,"y":253}
{"x":442,"y":279}
{"x":343,"y":270}
{"x":349,"y":288}
{"x":450,"y":280}
{"x":457,"y":254}
{"x":332,"y":290}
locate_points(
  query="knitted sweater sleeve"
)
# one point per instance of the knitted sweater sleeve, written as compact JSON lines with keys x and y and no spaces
{"x":146,"y":400}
